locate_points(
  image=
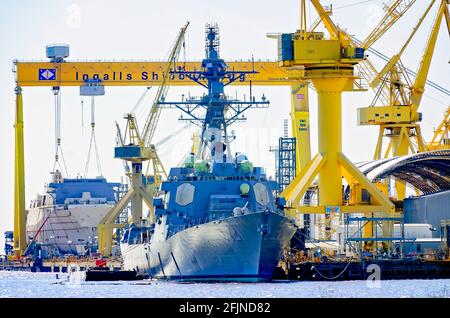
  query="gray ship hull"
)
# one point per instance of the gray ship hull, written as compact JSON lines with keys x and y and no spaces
{"x":241,"y":248}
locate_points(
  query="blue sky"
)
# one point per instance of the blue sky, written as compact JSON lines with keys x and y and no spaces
{"x":136,"y":29}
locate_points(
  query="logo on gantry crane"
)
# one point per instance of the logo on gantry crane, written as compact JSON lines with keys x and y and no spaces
{"x":47,"y":74}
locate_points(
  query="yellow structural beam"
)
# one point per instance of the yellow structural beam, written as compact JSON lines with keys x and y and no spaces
{"x":20,"y":242}
{"x":329,"y":66}
{"x":424,"y":66}
{"x":332,"y":29}
{"x":394,"y":11}
{"x":441,"y":134}
{"x":136,"y":195}
{"x":399,"y":119}
{"x":300,"y":123}
{"x":330,"y":164}
{"x":401,"y":138}
{"x":297,"y":188}
{"x":131,"y":73}
{"x":105,"y":237}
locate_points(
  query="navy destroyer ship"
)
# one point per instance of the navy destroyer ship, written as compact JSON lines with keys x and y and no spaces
{"x":218,"y":217}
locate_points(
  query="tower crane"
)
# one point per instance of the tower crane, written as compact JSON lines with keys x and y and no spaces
{"x":136,"y":147}
{"x":398,"y":118}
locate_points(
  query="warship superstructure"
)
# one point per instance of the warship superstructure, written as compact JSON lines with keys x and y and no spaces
{"x":64,"y":219}
{"x":217,"y":217}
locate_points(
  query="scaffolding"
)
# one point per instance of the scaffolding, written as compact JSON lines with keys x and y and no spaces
{"x":286,"y":162}
{"x":375,"y":246}
{"x":122,"y":218}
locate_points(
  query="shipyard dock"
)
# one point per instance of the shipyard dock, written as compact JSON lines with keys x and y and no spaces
{"x":346,"y":212}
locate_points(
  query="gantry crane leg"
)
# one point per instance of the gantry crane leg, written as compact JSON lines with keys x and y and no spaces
{"x":330,"y":164}
{"x":400,"y":138}
{"x":300,"y":124}
{"x":136,"y":195}
{"x":300,"y":128}
{"x":20,"y":243}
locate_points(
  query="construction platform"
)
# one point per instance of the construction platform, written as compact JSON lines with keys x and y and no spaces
{"x":376,"y":269}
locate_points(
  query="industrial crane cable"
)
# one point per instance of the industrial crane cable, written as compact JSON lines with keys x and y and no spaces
{"x":436,"y":100}
{"x":140,"y":100}
{"x":408,"y":70}
{"x":93,"y":143}
{"x":82,"y":115}
{"x":169,"y":137}
{"x":353,"y":4}
{"x":58,"y":148}
{"x":57,"y":163}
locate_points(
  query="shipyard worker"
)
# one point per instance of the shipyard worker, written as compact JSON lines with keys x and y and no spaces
{"x":367,"y":254}
{"x":317,"y":254}
{"x":384,"y":248}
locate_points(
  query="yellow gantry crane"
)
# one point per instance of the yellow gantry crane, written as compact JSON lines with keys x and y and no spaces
{"x":365,"y":68}
{"x":329,"y":65}
{"x":299,"y":90}
{"x":398,"y":117}
{"x":137,"y":149}
{"x":332,"y":54}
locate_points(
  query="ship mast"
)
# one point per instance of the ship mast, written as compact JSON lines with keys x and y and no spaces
{"x":221,"y":111}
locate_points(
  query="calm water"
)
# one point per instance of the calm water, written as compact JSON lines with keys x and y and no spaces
{"x":24,"y":284}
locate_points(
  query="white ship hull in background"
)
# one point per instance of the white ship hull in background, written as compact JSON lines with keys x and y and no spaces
{"x":64,"y":220}
{"x":65,"y":230}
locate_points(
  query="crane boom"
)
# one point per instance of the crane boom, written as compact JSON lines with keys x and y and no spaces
{"x":395,"y":58}
{"x":333,"y":30}
{"x":155,"y":111}
{"x":394,"y":11}
{"x":447,"y":18}
{"x":399,"y":118}
{"x":419,"y":84}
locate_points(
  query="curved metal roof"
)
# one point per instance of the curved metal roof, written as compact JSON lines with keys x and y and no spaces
{"x":428,"y":172}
